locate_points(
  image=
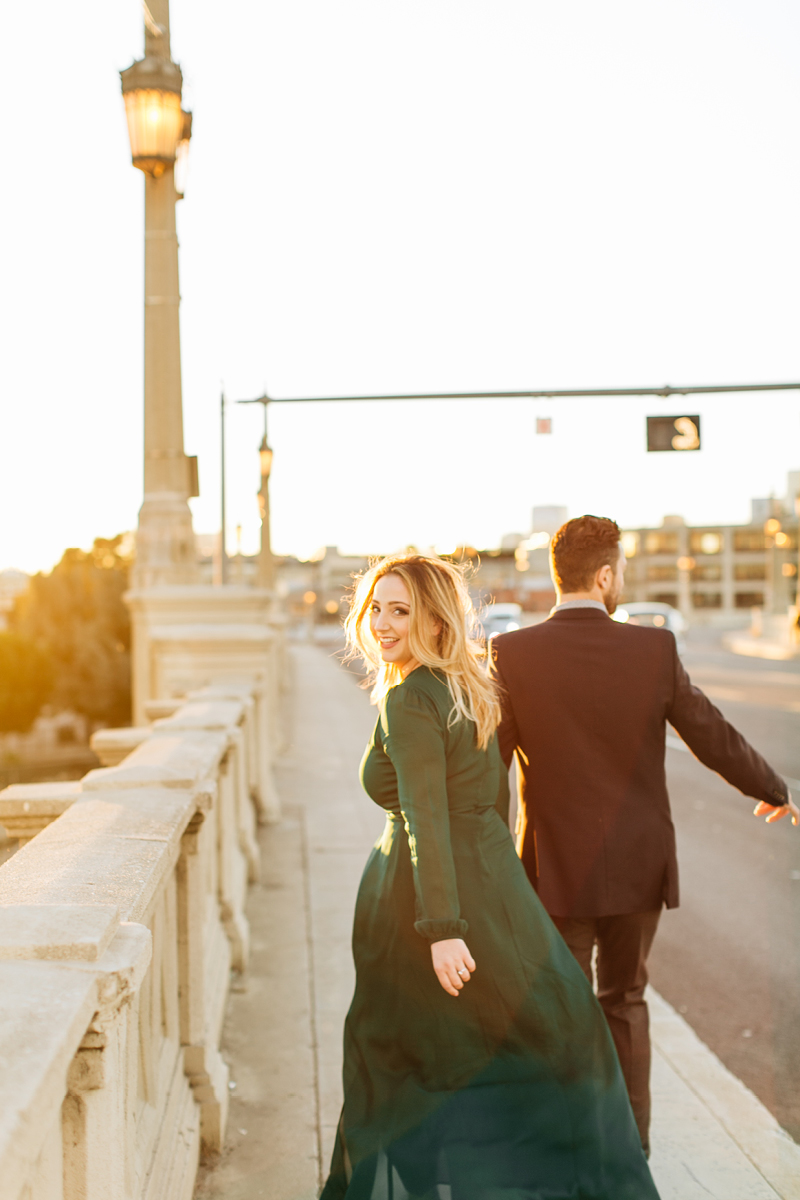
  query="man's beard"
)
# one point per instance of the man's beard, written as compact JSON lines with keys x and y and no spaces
{"x":611,"y":600}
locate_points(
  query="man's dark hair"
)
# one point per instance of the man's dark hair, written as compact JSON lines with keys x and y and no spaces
{"x":580,"y":548}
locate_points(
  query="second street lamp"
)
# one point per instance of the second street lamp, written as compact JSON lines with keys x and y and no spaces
{"x":266,"y":563}
{"x":265,"y":458}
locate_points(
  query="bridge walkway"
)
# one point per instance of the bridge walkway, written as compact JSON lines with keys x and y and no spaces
{"x":712,"y":1139}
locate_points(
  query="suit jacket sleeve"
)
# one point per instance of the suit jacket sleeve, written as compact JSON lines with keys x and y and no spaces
{"x":507,"y":732}
{"x":503,"y":800}
{"x":717,"y":744}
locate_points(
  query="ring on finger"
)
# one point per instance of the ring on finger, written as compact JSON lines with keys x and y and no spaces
{"x":463,"y":972}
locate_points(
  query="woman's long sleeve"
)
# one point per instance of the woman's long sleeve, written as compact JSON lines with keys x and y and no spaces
{"x":413,"y":738}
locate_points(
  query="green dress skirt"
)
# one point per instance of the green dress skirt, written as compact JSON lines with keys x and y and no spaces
{"x":512,"y":1090}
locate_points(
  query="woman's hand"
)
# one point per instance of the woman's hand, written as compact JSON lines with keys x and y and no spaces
{"x":452,"y":963}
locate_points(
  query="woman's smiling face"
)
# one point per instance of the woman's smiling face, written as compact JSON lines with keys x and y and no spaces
{"x":389,"y":617}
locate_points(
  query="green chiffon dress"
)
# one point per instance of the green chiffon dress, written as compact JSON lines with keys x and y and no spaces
{"x":513,"y":1090}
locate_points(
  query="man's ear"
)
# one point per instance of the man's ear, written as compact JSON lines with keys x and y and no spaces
{"x":604,"y":577}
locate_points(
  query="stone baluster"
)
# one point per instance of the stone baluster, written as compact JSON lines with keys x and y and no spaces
{"x":84,"y":1155}
{"x":46,"y":1011}
{"x":99,"y":1112}
{"x":202,"y":1008}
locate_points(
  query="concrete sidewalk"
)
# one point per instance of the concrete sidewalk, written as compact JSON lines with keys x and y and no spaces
{"x":711,"y":1137}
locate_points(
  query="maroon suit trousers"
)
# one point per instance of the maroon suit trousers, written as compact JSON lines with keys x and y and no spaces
{"x":623,"y":944}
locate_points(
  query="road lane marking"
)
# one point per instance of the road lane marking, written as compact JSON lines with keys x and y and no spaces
{"x":674,"y":743}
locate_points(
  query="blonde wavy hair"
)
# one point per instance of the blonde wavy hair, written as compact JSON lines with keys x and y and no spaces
{"x":439,"y":596}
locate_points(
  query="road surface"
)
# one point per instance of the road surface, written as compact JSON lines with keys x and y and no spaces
{"x":729,"y":958}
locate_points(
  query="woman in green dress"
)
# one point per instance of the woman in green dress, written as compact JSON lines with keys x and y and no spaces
{"x":477,"y":1061}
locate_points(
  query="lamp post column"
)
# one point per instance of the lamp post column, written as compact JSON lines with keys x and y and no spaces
{"x":165,"y":543}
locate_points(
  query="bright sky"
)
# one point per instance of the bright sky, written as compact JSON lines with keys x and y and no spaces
{"x":386,"y":197}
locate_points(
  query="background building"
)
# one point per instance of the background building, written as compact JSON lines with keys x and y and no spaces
{"x":715,"y":574}
{"x":519,"y":576}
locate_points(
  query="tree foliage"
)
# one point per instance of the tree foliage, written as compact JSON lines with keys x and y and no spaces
{"x":26,"y":680}
{"x":76,"y":617}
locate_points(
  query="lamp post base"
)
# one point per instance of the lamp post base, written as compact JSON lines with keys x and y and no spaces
{"x":165,"y":543}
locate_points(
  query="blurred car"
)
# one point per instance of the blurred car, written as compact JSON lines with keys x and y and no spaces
{"x":500,"y":618}
{"x":656,"y":615}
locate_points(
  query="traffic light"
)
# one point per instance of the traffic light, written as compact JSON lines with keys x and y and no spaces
{"x":673,"y":433}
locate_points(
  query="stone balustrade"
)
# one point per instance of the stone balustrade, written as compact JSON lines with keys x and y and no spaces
{"x":121,"y":916}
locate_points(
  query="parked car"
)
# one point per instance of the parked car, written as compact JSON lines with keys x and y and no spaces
{"x":500,"y":618}
{"x":659,"y":616}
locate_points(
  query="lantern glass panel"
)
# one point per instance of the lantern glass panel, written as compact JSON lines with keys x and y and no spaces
{"x":155,"y":123}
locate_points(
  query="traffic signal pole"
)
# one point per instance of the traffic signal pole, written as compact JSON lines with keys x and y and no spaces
{"x":665,"y":392}
{"x":555,"y":394}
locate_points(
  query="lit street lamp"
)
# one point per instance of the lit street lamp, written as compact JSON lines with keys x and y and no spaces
{"x":157,"y":124}
{"x":265,"y":457}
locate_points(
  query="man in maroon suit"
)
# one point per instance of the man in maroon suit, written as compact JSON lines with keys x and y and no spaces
{"x":586,"y":702}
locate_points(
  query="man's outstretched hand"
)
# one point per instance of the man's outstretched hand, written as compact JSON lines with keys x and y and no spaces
{"x":775,"y":814}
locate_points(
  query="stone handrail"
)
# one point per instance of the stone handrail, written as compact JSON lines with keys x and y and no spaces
{"x":121,"y":917}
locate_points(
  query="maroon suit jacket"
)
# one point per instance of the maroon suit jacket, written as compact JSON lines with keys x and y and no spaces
{"x":586,"y":701}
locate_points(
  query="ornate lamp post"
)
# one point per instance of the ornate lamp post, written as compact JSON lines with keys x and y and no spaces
{"x":266,"y":563}
{"x":151,"y":87}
